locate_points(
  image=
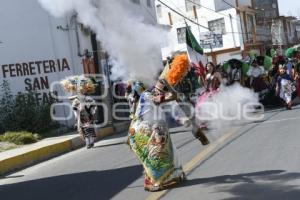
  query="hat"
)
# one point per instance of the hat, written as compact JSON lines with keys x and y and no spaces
{"x":290,"y":52}
{"x":161,"y":85}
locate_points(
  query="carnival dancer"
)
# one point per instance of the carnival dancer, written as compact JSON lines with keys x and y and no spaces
{"x":172,"y":76}
{"x":150,"y":140}
{"x":85,"y":110}
{"x":213,"y":77}
{"x":149,"y":136}
{"x":84,"y":106}
{"x":285,"y":87}
{"x":256,"y":74}
{"x":213,"y":81}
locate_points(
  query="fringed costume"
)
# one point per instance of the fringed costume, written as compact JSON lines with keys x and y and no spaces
{"x":84,"y":106}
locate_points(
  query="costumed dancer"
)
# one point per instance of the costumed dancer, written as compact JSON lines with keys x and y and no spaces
{"x":285,"y":87}
{"x":213,"y":81}
{"x":256,"y":74}
{"x":173,"y":75}
{"x":213,"y":77}
{"x":84,"y":106}
{"x":149,"y":136}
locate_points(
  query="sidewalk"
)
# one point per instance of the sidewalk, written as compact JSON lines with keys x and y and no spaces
{"x":19,"y":158}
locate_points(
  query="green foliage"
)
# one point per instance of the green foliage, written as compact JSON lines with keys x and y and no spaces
{"x":23,"y":113}
{"x":6,"y":105}
{"x":19,"y":138}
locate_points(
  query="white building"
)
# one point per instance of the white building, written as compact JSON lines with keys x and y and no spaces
{"x":230,"y":26}
{"x":34,"y":44}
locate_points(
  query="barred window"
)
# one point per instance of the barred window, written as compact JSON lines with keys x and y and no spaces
{"x":181,"y":35}
{"x":217,"y":25}
{"x":159,"y":10}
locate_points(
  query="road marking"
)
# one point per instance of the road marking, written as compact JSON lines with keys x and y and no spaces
{"x":274,"y":121}
{"x":281,"y":120}
{"x":198,"y":158}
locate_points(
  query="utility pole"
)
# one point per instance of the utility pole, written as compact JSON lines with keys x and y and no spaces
{"x":241,"y":24}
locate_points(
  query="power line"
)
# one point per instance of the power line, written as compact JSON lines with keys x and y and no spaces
{"x":178,"y":13}
{"x":212,"y":10}
{"x":176,"y":6}
{"x":232,"y":6}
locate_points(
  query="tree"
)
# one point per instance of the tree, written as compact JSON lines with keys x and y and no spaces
{"x":6,"y":106}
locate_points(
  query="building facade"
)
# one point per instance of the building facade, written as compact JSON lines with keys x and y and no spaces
{"x":38,"y":50}
{"x":296,"y":25}
{"x":284,"y":32}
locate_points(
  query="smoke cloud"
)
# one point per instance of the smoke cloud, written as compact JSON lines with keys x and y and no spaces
{"x":132,"y":43}
{"x":228,"y":106}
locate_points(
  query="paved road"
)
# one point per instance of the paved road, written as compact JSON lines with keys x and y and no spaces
{"x":246,"y":161}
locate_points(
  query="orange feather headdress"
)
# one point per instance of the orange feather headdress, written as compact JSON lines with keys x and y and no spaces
{"x":179,"y":68}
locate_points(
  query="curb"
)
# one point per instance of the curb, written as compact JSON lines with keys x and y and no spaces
{"x":34,"y":156}
{"x":17,"y":159}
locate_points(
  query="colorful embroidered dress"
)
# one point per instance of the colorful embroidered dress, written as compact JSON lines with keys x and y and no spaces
{"x":150,"y":140}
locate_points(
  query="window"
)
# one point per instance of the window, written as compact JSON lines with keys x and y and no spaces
{"x":181,"y":35}
{"x":191,"y":3}
{"x":149,"y":3}
{"x":159,"y":10}
{"x":250,"y":27}
{"x":289,"y":28}
{"x":170,"y":19}
{"x":136,"y":1}
{"x":217,"y":26}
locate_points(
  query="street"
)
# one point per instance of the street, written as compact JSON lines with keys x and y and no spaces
{"x":257,"y":160}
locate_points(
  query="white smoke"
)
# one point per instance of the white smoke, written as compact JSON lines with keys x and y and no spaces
{"x":230,"y":105}
{"x":133,"y":45}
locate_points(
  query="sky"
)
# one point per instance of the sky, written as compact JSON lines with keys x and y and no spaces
{"x":289,"y":7}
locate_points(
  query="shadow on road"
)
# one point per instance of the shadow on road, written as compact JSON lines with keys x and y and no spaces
{"x":87,"y":185}
{"x":262,"y":185}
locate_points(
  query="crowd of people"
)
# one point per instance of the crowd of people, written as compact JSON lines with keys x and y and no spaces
{"x":277,"y":84}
